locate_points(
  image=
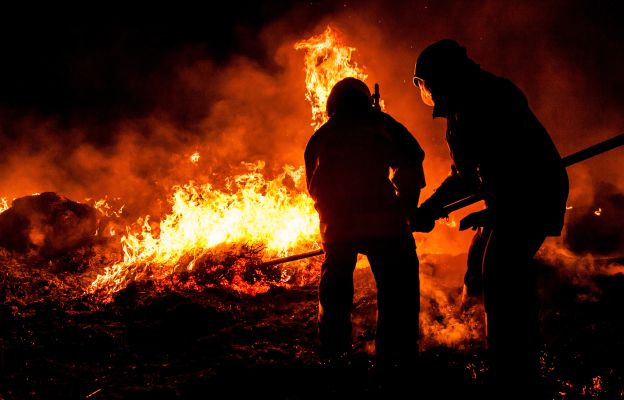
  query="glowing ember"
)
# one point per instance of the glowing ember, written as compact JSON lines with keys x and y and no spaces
{"x":106,"y":208}
{"x":598,"y":211}
{"x":3,"y":204}
{"x":449,"y":221}
{"x":195,"y":157}
{"x":327,"y":61}
{"x":569,"y":207}
{"x":253,"y":210}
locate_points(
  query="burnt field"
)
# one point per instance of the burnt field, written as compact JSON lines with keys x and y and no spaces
{"x":170,"y":341}
{"x":180,"y":137}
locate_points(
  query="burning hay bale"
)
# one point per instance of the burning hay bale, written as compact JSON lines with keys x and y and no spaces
{"x":47,"y":225}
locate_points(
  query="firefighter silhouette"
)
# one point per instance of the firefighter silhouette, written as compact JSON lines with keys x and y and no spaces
{"x":498,"y":149}
{"x":364,"y":211}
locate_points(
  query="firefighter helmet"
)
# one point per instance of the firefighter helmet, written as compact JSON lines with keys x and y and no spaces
{"x":348,"y":94}
{"x":440,"y":66}
{"x":442,"y":56}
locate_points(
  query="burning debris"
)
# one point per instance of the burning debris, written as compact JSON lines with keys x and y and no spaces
{"x":183,"y":303}
{"x":47,"y":224}
{"x":275,"y":216}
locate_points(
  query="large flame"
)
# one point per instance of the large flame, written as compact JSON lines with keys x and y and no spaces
{"x":327,"y":61}
{"x":251,"y":210}
{"x":254,"y":210}
{"x":4,"y":204}
{"x":275,"y":215}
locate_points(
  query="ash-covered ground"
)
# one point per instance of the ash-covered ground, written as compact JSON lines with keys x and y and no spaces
{"x":156,"y":341}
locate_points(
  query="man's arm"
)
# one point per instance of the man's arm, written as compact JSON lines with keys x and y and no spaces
{"x":454,"y":187}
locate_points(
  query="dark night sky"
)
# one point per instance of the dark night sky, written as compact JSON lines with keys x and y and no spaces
{"x":59,"y":61}
{"x":110,"y":61}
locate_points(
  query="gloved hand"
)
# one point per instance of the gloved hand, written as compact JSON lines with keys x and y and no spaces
{"x":475,"y":220}
{"x":423,"y":218}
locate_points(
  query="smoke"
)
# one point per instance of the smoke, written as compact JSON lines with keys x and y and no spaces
{"x":243,"y":100}
{"x":563,"y":55}
{"x":243,"y":112}
{"x":597,"y":230}
{"x":126,"y":123}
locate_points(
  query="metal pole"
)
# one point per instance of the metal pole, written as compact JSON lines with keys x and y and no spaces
{"x":293,"y":258}
{"x":572,"y":159}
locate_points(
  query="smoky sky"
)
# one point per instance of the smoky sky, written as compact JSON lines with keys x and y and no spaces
{"x":111,"y":100}
{"x":104,"y":63}
{"x":107,"y":63}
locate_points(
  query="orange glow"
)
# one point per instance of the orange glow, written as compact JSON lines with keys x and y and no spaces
{"x":106,"y":209}
{"x":253,"y":210}
{"x":450,"y":222}
{"x":598,"y":211}
{"x":327,"y":61}
{"x":440,"y":319}
{"x":274,"y":215}
{"x":4,"y":204}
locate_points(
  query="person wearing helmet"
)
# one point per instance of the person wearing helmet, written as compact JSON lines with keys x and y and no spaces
{"x":500,"y":150}
{"x":364,"y":211}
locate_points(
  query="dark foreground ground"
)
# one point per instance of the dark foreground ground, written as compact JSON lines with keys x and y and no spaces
{"x":223,"y":345}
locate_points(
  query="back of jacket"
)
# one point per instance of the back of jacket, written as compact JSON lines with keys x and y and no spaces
{"x":348,"y":165}
{"x":497,"y":143}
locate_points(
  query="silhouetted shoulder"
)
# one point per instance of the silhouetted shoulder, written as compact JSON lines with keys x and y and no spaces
{"x":317,"y":137}
{"x":501,"y":92}
{"x":402,"y":138}
{"x":388,"y":119}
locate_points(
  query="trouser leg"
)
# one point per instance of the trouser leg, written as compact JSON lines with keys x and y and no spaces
{"x":395,"y":266}
{"x":336,"y":299}
{"x":473,"y":279}
{"x":511,"y":305}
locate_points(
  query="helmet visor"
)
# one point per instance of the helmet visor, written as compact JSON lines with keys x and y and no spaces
{"x":425,"y":93}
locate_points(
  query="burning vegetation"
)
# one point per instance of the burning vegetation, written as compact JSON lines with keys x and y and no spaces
{"x":182,"y":303}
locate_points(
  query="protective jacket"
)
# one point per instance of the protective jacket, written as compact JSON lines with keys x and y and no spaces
{"x":501,"y":150}
{"x":364,"y":172}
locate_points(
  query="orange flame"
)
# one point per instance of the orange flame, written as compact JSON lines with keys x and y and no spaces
{"x":106,"y":208}
{"x":327,"y":61}
{"x":253,"y":210}
{"x":276,"y":215}
{"x":4,"y":204}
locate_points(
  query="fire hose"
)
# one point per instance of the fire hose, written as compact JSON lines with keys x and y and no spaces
{"x":568,"y":161}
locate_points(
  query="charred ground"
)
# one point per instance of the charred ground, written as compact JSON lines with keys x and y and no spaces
{"x":152,"y":342}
